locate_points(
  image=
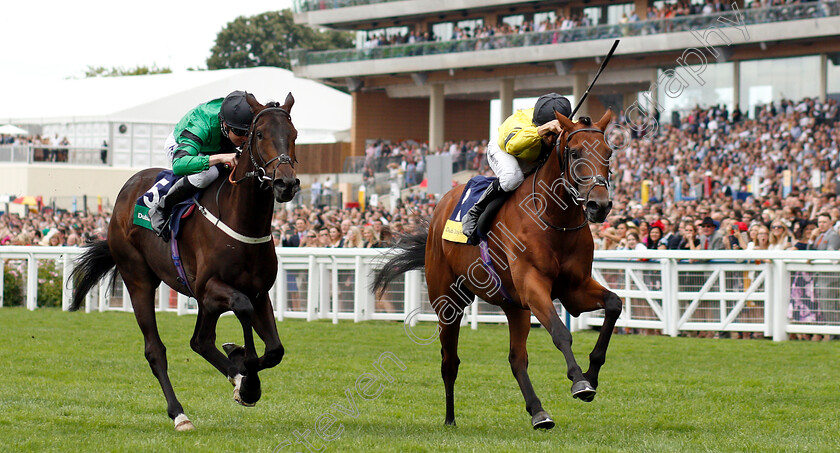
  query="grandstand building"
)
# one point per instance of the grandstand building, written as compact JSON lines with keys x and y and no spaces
{"x":428,"y":69}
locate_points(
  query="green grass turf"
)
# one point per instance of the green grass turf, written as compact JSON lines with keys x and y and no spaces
{"x":79,"y":383}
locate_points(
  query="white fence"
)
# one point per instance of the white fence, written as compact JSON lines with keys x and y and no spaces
{"x":669,"y":291}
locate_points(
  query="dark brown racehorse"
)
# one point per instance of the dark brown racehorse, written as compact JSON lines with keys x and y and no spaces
{"x":223,"y":272}
{"x":542,"y":249}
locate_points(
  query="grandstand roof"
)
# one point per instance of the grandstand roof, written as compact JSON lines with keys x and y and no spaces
{"x":164,"y":98}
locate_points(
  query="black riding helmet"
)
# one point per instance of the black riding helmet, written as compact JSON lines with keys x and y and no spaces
{"x":236,"y":112}
{"x":547,"y":104}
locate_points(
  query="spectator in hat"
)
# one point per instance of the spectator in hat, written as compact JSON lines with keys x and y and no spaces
{"x":709,"y":236}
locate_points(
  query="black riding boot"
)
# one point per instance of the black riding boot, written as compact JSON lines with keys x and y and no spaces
{"x":159,"y":213}
{"x":470,"y":220}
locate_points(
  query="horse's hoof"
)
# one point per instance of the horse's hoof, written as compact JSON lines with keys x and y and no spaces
{"x":230,"y":348}
{"x":238,"y":398}
{"x":449,"y":422}
{"x":247,"y":390}
{"x":182,"y":423}
{"x":541,"y":420}
{"x":583,"y":390}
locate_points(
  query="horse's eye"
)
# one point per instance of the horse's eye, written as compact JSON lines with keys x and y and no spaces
{"x":259,"y":135}
{"x":575,"y":154}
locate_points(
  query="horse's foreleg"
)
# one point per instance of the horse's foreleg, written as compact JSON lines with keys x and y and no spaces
{"x":519,"y":323}
{"x":266,"y":328}
{"x":246,"y":382}
{"x":538,"y":297}
{"x":598,"y":296}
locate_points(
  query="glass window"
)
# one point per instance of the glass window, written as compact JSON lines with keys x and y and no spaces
{"x":681,"y":92}
{"x":382,"y":33}
{"x":514,"y":21}
{"x":542,"y":17}
{"x":443,"y":31}
{"x":594,"y":14}
{"x":470,"y":26}
{"x":777,"y":79}
{"x":833,"y":80}
{"x":616,"y":12}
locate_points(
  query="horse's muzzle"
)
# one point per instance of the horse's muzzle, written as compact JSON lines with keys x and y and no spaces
{"x":597,"y":211}
{"x":286,"y":188}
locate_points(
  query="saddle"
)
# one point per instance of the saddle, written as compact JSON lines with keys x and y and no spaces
{"x":453,"y":231}
{"x":163,"y":182}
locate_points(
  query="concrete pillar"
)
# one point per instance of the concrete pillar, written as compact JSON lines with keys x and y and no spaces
{"x":628,"y":99}
{"x":436,"y":116}
{"x":491,"y":19}
{"x":736,"y":84}
{"x":654,"y":89}
{"x":641,"y":8}
{"x":581,"y":82}
{"x":564,"y":10}
{"x":823,"y":77}
{"x":506,"y":98}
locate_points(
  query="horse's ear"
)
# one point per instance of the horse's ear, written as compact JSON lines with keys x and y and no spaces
{"x":566,"y":123}
{"x":256,"y":107}
{"x":290,"y":101}
{"x":605,"y":120}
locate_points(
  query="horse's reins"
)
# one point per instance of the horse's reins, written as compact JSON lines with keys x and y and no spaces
{"x":563,"y":160}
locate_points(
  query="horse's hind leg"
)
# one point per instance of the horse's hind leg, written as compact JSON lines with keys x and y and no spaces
{"x":449,"y":332}
{"x":520,"y":324}
{"x":449,"y":315}
{"x":142,"y":293}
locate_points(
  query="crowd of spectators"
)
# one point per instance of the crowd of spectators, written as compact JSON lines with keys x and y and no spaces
{"x":668,"y":10}
{"x":701,"y":170}
{"x":52,"y":228}
{"x":324,"y":226}
{"x":405,"y":161}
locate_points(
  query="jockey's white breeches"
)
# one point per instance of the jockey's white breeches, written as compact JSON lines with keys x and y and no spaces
{"x":201,"y":179}
{"x":505,"y":166}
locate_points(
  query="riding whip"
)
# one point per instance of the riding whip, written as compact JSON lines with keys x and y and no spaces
{"x":603,"y":65}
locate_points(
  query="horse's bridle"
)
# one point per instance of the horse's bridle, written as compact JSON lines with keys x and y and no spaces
{"x":567,"y":180}
{"x":260,"y":170}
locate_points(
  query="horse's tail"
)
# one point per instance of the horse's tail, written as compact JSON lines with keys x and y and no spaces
{"x":409,"y":253}
{"x":93,"y":264}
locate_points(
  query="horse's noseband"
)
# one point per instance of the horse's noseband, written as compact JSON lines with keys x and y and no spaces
{"x":568,"y":180}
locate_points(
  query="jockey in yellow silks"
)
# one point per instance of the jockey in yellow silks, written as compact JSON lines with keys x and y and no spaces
{"x":521,"y":139}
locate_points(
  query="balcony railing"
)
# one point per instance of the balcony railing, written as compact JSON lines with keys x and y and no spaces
{"x":302,"y":6}
{"x":641,"y":28}
{"x":75,"y":155}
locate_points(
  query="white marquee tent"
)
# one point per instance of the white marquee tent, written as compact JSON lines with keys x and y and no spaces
{"x":135,"y":114}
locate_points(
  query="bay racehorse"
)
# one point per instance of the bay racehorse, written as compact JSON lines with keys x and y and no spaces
{"x":541,"y":249}
{"x":224,"y":270}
